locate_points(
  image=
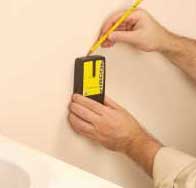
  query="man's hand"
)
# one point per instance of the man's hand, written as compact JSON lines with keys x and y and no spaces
{"x":143,"y":32}
{"x":116,"y":129}
{"x":140,"y":30}
{"x":110,"y":125}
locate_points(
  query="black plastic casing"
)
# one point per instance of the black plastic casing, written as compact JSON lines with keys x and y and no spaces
{"x":79,"y":72}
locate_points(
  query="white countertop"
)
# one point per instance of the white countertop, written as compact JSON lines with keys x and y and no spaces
{"x":45,"y":171}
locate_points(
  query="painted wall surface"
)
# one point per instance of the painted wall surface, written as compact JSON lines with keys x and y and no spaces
{"x":39,"y":40}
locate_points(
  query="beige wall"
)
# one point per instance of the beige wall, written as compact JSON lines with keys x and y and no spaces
{"x":39,"y":40}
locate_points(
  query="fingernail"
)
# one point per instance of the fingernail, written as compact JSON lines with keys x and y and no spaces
{"x":75,"y":97}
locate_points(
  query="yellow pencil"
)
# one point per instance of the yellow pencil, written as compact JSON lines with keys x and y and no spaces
{"x":127,"y":13}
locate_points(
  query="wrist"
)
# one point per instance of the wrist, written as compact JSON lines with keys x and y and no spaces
{"x":143,"y":150}
{"x":170,"y":42}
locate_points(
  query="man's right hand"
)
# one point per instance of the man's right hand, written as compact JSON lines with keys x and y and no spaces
{"x":140,"y":30}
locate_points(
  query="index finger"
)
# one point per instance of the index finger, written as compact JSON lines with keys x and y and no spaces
{"x":89,"y":103}
{"x":112,"y":20}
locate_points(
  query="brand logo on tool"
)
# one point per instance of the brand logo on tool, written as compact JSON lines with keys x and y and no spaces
{"x":101,"y":77}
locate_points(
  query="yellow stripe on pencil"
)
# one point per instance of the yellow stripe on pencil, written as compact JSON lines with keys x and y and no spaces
{"x":103,"y":38}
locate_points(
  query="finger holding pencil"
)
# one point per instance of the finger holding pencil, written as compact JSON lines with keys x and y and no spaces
{"x":104,"y":37}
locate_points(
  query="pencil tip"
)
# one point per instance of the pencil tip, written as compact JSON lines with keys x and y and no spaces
{"x":89,"y":53}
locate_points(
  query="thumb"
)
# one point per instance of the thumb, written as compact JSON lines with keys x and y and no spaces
{"x":123,"y":36}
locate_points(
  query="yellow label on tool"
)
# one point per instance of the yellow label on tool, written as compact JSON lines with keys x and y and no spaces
{"x":93,"y":81}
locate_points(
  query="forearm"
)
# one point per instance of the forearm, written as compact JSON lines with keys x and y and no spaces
{"x":182,"y":52}
{"x":143,"y":151}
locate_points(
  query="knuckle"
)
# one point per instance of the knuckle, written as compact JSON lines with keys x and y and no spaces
{"x":87,"y":131}
{"x":105,"y":112}
{"x":76,"y":108}
{"x":103,"y":109}
{"x":98,"y":121}
{"x":73,"y":126}
{"x":72,"y":106}
{"x":96,"y":106}
{"x":76,"y":127}
{"x":76,"y":124}
{"x":84,"y":129}
{"x":85,"y":115}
